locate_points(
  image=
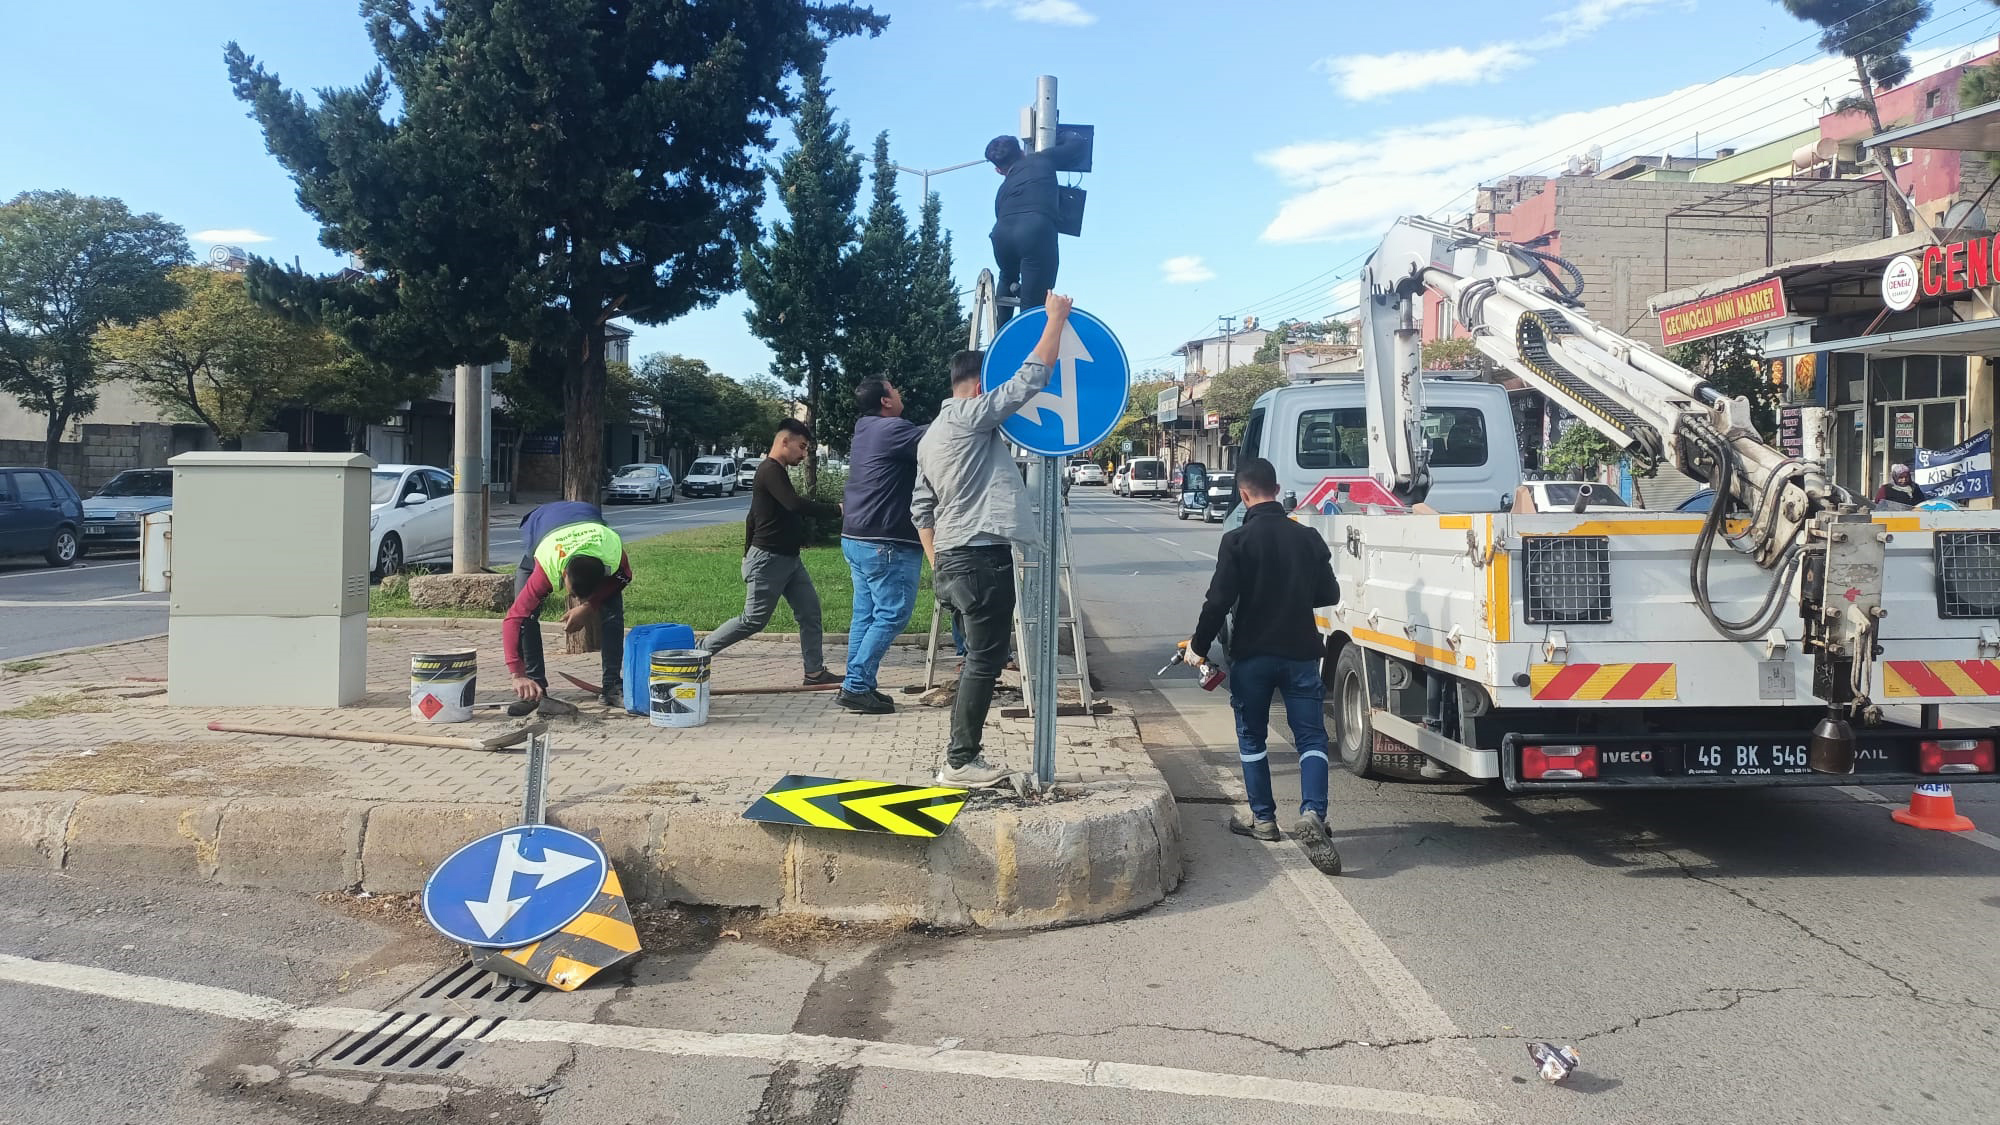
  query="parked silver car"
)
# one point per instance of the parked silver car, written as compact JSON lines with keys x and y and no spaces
{"x":111,"y":518}
{"x":642,"y":483}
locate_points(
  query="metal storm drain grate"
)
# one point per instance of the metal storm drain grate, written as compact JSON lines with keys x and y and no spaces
{"x":437,"y":1025}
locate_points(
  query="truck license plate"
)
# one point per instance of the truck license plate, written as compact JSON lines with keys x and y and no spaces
{"x":1746,"y":759}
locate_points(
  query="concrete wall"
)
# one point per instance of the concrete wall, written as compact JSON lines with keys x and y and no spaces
{"x":105,"y":451}
{"x":1614,"y":231}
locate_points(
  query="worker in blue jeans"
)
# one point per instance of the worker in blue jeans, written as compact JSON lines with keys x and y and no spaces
{"x":878,"y":538}
{"x":1271,"y":574}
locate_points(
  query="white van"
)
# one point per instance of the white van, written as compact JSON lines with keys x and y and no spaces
{"x":1147,"y":478}
{"x":710,"y":476}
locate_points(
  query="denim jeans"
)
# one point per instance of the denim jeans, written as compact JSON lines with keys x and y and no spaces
{"x":766,"y":578}
{"x":1252,"y":682}
{"x":610,"y":632}
{"x":885,"y":594}
{"x":977,"y":583}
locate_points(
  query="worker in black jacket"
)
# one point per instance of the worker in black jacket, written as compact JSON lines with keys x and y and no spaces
{"x":1272,"y":573}
{"x":1024,"y":213}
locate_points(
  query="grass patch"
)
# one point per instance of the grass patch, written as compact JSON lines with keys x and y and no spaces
{"x":57,"y":705}
{"x":162,"y":769}
{"x":695,"y":577}
{"x":23,"y":667}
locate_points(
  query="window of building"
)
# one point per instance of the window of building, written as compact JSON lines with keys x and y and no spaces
{"x":1338,"y":439}
{"x":1931,"y":99}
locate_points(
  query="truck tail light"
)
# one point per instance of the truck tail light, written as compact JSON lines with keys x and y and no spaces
{"x":1959,"y":756}
{"x":1565,"y":763}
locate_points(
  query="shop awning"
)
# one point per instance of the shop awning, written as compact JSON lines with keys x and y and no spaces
{"x":1849,"y":263}
{"x":1970,"y":337}
{"x":1969,"y":130}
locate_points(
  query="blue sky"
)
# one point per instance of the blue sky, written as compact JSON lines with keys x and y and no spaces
{"x":1247,"y":155}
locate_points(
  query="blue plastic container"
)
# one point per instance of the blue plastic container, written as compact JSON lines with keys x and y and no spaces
{"x":641,"y":642}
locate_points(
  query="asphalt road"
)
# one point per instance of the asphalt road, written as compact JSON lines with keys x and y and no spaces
{"x":1756,"y":957}
{"x":97,"y":601}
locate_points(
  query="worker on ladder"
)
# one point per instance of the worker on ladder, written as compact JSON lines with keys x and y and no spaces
{"x":1024,"y":213}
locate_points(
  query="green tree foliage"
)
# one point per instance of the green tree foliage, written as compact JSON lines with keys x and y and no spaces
{"x":529,"y":171}
{"x":1579,"y":452}
{"x":69,"y":265}
{"x":218,"y":357}
{"x":1232,"y":393}
{"x":1977,"y":86}
{"x":1332,"y":330}
{"x":1138,"y":425}
{"x":800,"y":279}
{"x":531,"y":388}
{"x":1452,"y":354}
{"x":904,"y":319}
{"x":1875,"y":36}
{"x":1734,"y":365}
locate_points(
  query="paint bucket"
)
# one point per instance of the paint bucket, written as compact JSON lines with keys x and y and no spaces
{"x":678,"y":687}
{"x":442,"y":685}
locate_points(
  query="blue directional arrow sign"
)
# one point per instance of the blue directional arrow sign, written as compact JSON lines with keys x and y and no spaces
{"x":1086,"y":395}
{"x":517,"y":886}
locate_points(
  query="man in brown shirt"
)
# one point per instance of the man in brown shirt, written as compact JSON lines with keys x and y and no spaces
{"x":773,"y":533}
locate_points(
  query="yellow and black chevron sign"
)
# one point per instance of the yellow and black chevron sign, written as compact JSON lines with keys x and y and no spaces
{"x":858,"y":806}
{"x":599,"y":938}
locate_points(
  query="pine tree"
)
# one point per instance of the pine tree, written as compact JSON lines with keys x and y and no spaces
{"x":937,"y":322}
{"x":530,"y":171}
{"x":884,"y":266}
{"x":1875,"y":35}
{"x":801,"y":278}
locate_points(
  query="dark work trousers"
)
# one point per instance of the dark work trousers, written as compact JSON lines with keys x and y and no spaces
{"x":610,"y":632}
{"x":977,"y":584}
{"x":1024,"y":246}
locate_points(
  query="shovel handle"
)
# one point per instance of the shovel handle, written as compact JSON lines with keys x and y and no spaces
{"x":390,"y":737}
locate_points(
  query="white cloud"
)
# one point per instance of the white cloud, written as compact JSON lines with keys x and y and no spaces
{"x":1351,"y":186}
{"x":1364,"y":77}
{"x":1188,"y":269}
{"x":230,"y":235}
{"x":1062,"y":13}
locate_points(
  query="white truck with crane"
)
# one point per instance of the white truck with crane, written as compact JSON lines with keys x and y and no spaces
{"x":1791,"y":635}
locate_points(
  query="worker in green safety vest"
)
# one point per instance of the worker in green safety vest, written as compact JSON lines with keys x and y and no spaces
{"x":566,"y":544}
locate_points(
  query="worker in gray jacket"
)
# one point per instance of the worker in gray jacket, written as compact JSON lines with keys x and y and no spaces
{"x":971,"y":508}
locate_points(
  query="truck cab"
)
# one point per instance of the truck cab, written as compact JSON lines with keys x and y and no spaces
{"x":1314,"y":430}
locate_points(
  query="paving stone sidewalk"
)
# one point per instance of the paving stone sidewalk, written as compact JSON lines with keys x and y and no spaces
{"x":85,"y":722}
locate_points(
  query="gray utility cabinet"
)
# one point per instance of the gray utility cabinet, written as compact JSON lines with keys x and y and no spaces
{"x":270,"y":590}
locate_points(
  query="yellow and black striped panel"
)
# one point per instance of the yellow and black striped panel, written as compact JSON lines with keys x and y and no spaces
{"x":858,"y":806}
{"x":599,"y":938}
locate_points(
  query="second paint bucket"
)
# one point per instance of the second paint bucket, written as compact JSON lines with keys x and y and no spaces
{"x":677,"y":684}
{"x":442,"y":685}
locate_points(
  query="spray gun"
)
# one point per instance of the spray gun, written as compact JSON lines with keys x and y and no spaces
{"x":1210,"y":674}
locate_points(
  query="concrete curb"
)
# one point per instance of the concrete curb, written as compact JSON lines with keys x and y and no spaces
{"x":1112,"y":850}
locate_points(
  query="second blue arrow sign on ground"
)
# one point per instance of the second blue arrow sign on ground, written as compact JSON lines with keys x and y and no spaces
{"x":1087,"y":392}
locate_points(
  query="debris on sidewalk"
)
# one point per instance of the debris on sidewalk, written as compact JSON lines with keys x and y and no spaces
{"x":1552,"y":1062}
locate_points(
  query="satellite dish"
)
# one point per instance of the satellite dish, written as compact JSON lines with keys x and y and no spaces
{"x":227,"y":256}
{"x":1966,"y":215}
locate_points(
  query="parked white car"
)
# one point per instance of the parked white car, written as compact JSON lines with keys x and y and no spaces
{"x":409,"y":517}
{"x":746,"y":473}
{"x":711,"y":476}
{"x":1090,"y":473}
{"x":642,"y":483}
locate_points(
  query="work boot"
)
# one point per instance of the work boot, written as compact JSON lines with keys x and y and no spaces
{"x":974,"y":774}
{"x":1265,"y":830}
{"x":613,"y":695}
{"x":823,"y":677}
{"x":1310,"y":832}
{"x":868,"y":704}
{"x":883,"y":697}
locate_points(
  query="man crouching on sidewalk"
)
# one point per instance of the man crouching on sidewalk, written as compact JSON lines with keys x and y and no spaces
{"x":568,"y":546}
{"x":1272,"y":573}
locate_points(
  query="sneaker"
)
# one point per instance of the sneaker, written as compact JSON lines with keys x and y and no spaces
{"x":883,"y":697}
{"x":974,"y":774}
{"x":613,"y":695}
{"x":1310,"y":832}
{"x":1266,"y":830}
{"x":822,"y":678}
{"x":865,"y":704}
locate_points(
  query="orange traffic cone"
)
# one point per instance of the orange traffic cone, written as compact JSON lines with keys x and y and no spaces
{"x":1932,"y":807}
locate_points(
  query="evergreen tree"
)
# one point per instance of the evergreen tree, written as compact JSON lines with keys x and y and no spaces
{"x":530,"y":171}
{"x":801,"y":278}
{"x":69,"y":265}
{"x":937,"y":323}
{"x":1875,"y":35}
{"x":884,"y":269}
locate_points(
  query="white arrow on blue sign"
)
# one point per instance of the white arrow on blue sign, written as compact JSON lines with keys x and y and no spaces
{"x":1086,"y":395}
{"x":517,"y":886}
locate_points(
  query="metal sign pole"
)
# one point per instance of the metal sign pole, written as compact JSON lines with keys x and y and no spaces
{"x":1048,"y":598}
{"x":535,"y":798}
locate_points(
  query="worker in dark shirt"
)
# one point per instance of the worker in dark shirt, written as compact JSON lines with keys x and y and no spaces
{"x":566,"y":545}
{"x":1024,"y":213}
{"x":1271,"y":574}
{"x":772,"y":536}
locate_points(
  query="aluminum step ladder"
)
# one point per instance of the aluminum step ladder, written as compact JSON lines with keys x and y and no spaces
{"x":1075,"y":671}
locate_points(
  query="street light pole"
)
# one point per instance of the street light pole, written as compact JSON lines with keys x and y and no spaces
{"x":927,"y":173}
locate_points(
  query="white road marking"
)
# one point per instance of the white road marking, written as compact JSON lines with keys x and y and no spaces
{"x":820,"y":1050}
{"x":89,"y":603}
{"x":1868,"y":796}
{"x":79,"y":568}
